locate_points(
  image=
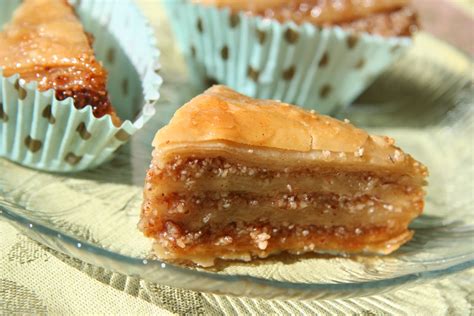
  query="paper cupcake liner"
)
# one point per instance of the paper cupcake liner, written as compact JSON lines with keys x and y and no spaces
{"x":38,"y":131}
{"x":319,"y":68}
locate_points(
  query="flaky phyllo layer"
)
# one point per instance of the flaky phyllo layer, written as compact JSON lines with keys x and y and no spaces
{"x":218,"y":190}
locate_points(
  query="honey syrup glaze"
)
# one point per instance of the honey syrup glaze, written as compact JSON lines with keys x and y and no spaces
{"x":53,"y":49}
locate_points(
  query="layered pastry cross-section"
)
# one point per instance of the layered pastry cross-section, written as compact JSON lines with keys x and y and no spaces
{"x":45,"y":42}
{"x":383,"y":17}
{"x":239,"y":178}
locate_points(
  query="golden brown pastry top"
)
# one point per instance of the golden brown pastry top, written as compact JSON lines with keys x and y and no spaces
{"x":44,"y":33}
{"x":223,"y":114}
{"x":222,"y":120}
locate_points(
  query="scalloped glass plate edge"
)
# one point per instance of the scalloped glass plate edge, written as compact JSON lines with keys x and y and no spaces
{"x":250,"y":286}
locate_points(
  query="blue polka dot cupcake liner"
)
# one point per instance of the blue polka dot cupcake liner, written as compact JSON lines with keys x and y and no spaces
{"x":318,"y":68}
{"x":41,"y":132}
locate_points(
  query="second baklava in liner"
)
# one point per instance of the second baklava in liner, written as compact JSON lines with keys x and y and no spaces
{"x":316,"y":54}
{"x":238,"y":178}
{"x":381,"y":17}
{"x":55,"y":110}
{"x":53,"y":49}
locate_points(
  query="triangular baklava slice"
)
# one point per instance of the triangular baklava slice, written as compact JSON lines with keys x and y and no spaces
{"x":237,"y":178}
{"x":45,"y":42}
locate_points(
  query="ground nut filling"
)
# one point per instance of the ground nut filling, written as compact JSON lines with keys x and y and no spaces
{"x":229,"y":224}
{"x":190,"y":169}
{"x":263,"y":239}
{"x":194,"y":168}
{"x":221,"y":201}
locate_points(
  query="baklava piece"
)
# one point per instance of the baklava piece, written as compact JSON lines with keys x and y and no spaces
{"x":239,"y":178}
{"x":383,"y":17}
{"x":45,"y":42}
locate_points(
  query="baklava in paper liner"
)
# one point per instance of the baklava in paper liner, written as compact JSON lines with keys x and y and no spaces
{"x":319,"y":68}
{"x":38,"y":131}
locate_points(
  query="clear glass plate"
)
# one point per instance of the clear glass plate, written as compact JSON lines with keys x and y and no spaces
{"x":425,"y":102}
